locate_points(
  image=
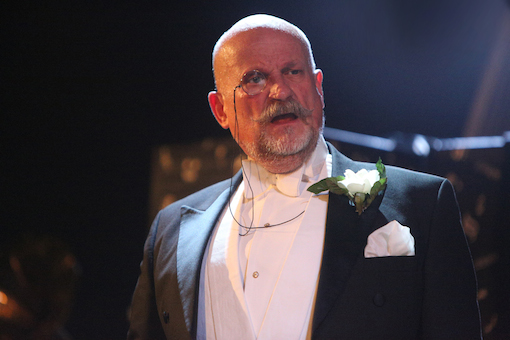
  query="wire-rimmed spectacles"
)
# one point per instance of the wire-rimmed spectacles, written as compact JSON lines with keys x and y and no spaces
{"x":253,"y":82}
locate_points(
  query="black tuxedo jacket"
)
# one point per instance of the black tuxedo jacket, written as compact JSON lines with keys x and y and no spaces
{"x":431,"y":295}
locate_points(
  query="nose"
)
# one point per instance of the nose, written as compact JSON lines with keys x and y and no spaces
{"x":279,"y":89}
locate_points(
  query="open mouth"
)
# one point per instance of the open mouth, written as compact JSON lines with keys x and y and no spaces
{"x":284,"y":118}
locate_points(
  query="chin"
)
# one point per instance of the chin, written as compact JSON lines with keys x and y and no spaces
{"x":289,"y":144}
{"x":284,"y":154}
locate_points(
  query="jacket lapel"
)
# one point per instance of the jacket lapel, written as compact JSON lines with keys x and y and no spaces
{"x":194,"y":233}
{"x":345,"y":240}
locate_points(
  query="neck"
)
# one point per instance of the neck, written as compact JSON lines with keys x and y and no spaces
{"x":279,"y":166}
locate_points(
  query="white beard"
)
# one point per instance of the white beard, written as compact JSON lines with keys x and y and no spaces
{"x":286,"y":144}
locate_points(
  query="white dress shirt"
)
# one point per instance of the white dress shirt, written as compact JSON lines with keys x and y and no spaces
{"x":272,"y":271}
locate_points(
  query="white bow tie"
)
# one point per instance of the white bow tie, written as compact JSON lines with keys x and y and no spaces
{"x":258,"y":180}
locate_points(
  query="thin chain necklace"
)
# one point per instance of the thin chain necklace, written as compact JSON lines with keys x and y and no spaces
{"x":267,"y":225}
{"x":250,"y":227}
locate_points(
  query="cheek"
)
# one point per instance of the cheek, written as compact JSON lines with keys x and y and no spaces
{"x":308,"y":96}
{"x":319,"y":119}
{"x":250,"y":107}
{"x":241,"y":124}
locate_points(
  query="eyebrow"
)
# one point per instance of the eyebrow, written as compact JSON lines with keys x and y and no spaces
{"x":289,"y":66}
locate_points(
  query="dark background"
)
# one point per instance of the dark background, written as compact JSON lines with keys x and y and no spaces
{"x":90,"y":88}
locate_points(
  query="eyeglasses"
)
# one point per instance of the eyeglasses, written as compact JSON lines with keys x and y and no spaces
{"x":253,"y":82}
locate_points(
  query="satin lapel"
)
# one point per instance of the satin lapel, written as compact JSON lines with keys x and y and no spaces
{"x":372,"y":218}
{"x":344,"y":243}
{"x":194,"y":233}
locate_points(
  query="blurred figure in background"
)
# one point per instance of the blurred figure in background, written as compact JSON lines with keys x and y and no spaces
{"x":38,"y":276}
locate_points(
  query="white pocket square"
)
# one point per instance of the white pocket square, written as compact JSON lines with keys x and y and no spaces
{"x":393,"y":239}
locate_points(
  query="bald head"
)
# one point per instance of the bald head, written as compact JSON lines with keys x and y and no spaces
{"x":279,"y":125}
{"x":222,"y":56}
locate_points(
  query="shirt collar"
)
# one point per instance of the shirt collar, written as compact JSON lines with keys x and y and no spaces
{"x":257,"y":179}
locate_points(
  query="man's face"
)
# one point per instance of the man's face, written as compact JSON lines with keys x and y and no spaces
{"x":279,"y":126}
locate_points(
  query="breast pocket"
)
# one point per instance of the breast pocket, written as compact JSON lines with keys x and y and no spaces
{"x":397,"y":276}
{"x":388,"y":263}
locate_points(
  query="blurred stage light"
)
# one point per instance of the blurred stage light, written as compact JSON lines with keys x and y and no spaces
{"x":421,"y":146}
{"x":373,"y":142}
{"x":463,"y":143}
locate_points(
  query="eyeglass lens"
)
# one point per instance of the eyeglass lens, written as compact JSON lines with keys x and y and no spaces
{"x":253,"y":82}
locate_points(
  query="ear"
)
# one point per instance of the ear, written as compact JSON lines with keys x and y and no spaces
{"x":216,"y":104}
{"x":318,"y":84}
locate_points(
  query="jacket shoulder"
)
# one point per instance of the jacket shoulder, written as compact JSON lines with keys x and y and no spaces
{"x":416,"y":186}
{"x":199,"y":200}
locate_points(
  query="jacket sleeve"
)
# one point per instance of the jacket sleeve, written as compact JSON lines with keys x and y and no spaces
{"x":450,"y":308}
{"x":143,"y":314}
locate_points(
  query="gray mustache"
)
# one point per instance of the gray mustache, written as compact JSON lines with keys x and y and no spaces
{"x":276,"y":109}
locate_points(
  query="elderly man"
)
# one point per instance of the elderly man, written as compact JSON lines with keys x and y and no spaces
{"x":261,"y":257}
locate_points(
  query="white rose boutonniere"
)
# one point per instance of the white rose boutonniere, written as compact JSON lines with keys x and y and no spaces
{"x":360,"y":187}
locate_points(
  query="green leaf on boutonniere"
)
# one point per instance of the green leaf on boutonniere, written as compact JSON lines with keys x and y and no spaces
{"x":331,"y":184}
{"x":361,"y":188}
{"x":381,"y":168}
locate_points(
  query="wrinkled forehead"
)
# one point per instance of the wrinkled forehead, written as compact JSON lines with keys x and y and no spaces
{"x":236,"y":46}
{"x":261,"y":23}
